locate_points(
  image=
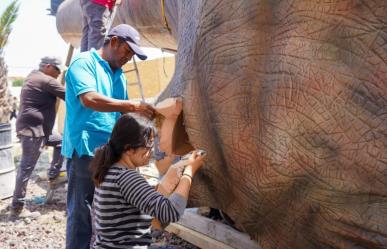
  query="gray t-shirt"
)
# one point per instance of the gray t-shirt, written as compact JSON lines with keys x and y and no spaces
{"x":37,"y":104}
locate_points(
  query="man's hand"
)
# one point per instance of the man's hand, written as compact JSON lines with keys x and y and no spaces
{"x":118,"y":2}
{"x":145,"y":110}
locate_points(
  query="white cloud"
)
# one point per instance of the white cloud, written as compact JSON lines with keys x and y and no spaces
{"x":33,"y":36}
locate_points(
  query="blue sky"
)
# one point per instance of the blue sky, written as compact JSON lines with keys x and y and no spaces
{"x":34,"y":35}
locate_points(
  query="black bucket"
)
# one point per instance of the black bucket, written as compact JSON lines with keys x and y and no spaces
{"x":7,"y":166}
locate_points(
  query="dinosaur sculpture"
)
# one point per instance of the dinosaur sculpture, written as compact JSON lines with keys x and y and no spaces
{"x":289,"y":99}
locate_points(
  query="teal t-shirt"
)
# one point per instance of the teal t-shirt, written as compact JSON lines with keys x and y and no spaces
{"x":86,"y":129}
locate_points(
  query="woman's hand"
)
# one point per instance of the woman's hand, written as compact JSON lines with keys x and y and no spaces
{"x":170,"y":180}
{"x":195,"y":162}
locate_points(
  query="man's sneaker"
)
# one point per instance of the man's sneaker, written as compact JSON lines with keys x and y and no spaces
{"x":14,"y":213}
{"x":53,"y":183}
{"x":20,"y":213}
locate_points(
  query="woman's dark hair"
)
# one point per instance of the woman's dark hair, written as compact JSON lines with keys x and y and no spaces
{"x":130,"y":132}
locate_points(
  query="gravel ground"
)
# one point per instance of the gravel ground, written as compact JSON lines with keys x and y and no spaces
{"x":47,"y":228}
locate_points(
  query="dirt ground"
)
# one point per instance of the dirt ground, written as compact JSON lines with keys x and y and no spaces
{"x":47,"y":228}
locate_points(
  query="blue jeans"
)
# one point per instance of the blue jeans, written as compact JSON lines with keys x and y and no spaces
{"x":94,"y":20}
{"x":80,"y":192}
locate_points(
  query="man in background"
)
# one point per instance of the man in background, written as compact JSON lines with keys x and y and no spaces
{"x":34,"y":125}
{"x":96,"y":16}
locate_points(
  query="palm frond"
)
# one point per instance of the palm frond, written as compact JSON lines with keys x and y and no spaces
{"x":7,"y":18}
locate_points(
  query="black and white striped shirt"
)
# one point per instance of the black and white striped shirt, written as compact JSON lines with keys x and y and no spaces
{"x":124,"y":206}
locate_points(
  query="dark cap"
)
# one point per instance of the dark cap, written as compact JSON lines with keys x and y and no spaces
{"x":52,"y":60}
{"x":131,"y":36}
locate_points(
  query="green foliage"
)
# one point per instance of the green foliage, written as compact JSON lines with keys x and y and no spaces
{"x":7,"y":18}
{"x":17,"y":82}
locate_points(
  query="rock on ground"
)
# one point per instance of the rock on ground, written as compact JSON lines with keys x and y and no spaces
{"x":44,"y":230}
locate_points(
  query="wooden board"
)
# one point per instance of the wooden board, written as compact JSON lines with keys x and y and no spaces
{"x":196,"y":238}
{"x":206,"y":233}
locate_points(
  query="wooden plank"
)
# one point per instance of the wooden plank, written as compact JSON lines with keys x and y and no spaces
{"x":195,"y":238}
{"x":217,"y":231}
{"x":204,"y":232}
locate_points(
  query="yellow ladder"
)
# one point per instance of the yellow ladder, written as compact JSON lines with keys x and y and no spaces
{"x":137,"y":82}
{"x":135,"y":68}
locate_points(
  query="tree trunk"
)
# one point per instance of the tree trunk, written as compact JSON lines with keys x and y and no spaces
{"x":5,"y":96}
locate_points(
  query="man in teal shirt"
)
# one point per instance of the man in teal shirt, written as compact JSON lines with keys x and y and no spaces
{"x":96,"y":95}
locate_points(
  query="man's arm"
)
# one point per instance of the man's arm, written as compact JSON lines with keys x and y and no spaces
{"x":82,"y":80}
{"x":55,"y":88}
{"x":101,"y":103}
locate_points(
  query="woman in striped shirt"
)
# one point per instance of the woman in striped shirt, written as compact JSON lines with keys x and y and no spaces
{"x":124,"y":201}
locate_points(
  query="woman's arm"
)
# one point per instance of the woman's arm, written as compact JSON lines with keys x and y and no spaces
{"x":163,"y":164}
{"x":180,"y":194}
{"x":194,"y":164}
{"x":137,"y":192}
{"x":172,"y":177}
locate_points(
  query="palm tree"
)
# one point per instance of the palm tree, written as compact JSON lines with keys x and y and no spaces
{"x":7,"y":18}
